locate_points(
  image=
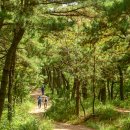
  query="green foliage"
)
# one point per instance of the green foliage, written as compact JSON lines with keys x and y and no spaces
{"x":101,"y":126}
{"x":106,"y":112}
{"x":32,"y":125}
{"x":22,"y":120}
{"x":125,"y":124}
{"x":65,"y":112}
{"x":122,"y":104}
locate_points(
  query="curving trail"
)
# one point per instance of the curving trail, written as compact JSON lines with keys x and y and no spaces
{"x":122,"y":110}
{"x":64,"y":126}
{"x":57,"y":125}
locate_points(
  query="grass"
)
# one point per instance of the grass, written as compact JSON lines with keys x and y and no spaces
{"x":22,"y":120}
{"x":61,"y":110}
{"x":107,"y":118}
{"x":122,"y":104}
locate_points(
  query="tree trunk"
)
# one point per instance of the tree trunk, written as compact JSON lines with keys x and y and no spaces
{"x":112,"y":86}
{"x":11,"y":76}
{"x":18,"y":34}
{"x":65,"y":82}
{"x":121,"y":83}
{"x":108,"y":89}
{"x":103,"y":94}
{"x":93,"y":82}
{"x":2,"y":10}
{"x":77,"y":96}
{"x":84,"y":90}
{"x":74,"y":89}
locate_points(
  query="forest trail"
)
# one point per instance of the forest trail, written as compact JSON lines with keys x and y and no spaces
{"x":121,"y":110}
{"x":65,"y":126}
{"x":37,"y":110}
{"x":57,"y":125}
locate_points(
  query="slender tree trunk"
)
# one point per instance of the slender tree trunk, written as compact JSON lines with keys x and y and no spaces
{"x":112,"y":86}
{"x":18,"y":34}
{"x":2,"y":10}
{"x":65,"y":82}
{"x":93,"y":82}
{"x":108,"y":89}
{"x":84,"y":90}
{"x":121,"y":83}
{"x":74,"y":89}
{"x":50,"y":80}
{"x":103,"y":94}
{"x":82,"y":107}
{"x":77,"y":96}
{"x":1,"y":23}
{"x":11,"y":76}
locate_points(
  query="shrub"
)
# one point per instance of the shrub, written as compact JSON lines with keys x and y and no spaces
{"x":122,"y":104}
{"x":22,"y":120}
{"x":125,"y":124}
{"x":61,"y":110}
{"x":107,"y":112}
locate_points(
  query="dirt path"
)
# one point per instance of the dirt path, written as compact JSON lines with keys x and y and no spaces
{"x":121,"y":110}
{"x":37,"y":110}
{"x":64,"y":126}
{"x":57,"y":125}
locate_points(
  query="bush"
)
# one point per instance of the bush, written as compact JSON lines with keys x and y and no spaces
{"x":125,"y":124}
{"x":30,"y":125}
{"x":122,"y":104}
{"x":22,"y":120}
{"x":61,"y":110}
{"x":107,"y":112}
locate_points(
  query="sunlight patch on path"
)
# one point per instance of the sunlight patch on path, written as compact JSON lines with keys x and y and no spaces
{"x":65,"y":126}
{"x":121,"y":110}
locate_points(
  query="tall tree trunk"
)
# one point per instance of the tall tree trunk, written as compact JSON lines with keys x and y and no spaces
{"x":3,"y":11}
{"x":77,"y":96}
{"x":11,"y":77}
{"x":121,"y":83}
{"x":66,"y":85}
{"x":65,"y":82}
{"x":108,"y":89}
{"x":84,"y":90}
{"x":103,"y":94}
{"x":50,"y":80}
{"x":93,"y":81}
{"x":1,"y":23}
{"x":18,"y":34}
{"x":74,"y":89}
{"x":112,"y":86}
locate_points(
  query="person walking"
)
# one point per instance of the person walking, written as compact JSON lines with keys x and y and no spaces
{"x":45,"y":102}
{"x":39,"y":101}
{"x":42,"y":89}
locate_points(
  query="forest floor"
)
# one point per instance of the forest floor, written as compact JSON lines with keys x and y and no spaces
{"x":57,"y":125}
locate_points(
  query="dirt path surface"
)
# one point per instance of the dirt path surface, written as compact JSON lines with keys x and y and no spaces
{"x":121,"y":110}
{"x":57,"y":125}
{"x":37,"y":110}
{"x":64,"y":126}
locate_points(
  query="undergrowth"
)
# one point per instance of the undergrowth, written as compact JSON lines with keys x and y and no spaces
{"x":107,"y":118}
{"x":22,"y":120}
{"x":61,"y":110}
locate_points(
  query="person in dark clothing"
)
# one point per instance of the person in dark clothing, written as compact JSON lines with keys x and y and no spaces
{"x":42,"y":89}
{"x":45,"y":102}
{"x":39,"y":101}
